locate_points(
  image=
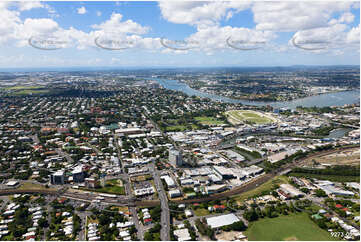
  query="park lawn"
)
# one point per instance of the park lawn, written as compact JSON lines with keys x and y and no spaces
{"x":180,"y":127}
{"x":31,"y":91}
{"x":23,"y":87}
{"x":264,"y":187}
{"x":209,"y":120}
{"x":290,"y":227}
{"x":201,"y":212}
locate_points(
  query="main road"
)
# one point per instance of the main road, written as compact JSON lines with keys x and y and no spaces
{"x":165,"y":216}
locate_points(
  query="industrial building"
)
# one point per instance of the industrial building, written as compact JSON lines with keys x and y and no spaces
{"x":223,"y":220}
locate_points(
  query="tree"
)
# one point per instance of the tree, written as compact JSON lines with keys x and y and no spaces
{"x":43,"y":223}
{"x":320,"y":193}
{"x":148,"y":236}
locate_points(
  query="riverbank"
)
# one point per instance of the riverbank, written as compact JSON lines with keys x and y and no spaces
{"x":322,"y":100}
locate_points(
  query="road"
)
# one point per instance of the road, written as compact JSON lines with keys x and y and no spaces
{"x":65,"y":155}
{"x":165,"y":216}
{"x":94,"y":148}
{"x":139,"y":226}
{"x":83,"y":215}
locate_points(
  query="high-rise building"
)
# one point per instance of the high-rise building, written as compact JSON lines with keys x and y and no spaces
{"x":78,"y":174}
{"x":175,"y":158}
{"x":57,"y":178}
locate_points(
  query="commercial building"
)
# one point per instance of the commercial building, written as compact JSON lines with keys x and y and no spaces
{"x":78,"y":174}
{"x":169,"y":181}
{"x":175,"y":158}
{"x":223,"y":220}
{"x":182,"y":234}
{"x":57,"y":178}
{"x":225,"y":173}
{"x":174,"y":193}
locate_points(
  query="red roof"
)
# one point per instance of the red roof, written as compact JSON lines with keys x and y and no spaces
{"x":30,"y":237}
{"x":147,"y":220}
{"x":196,"y":204}
{"x":345,"y":209}
{"x":338,"y":206}
{"x":219,"y":206}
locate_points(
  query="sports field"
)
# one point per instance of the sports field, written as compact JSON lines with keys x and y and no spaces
{"x":290,"y":227}
{"x":248,"y":116}
{"x":208,"y":120}
{"x":26,"y":90}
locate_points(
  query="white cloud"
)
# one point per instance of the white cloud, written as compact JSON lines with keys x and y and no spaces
{"x":200,"y":13}
{"x":296,"y":16}
{"x":9,"y":24}
{"x":215,"y":38}
{"x":28,"y":5}
{"x":344,"y":18}
{"x":81,"y":10}
{"x":40,"y":25}
{"x":98,"y":13}
{"x":114,"y":24}
{"x":330,"y":38}
{"x":353,"y":36}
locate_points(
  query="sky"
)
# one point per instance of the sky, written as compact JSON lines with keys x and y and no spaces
{"x":178,"y":34}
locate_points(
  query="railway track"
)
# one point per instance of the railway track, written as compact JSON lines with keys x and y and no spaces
{"x":235,"y":191}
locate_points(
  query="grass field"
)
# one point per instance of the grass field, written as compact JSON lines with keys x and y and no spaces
{"x":180,"y":127}
{"x":31,"y":91}
{"x":26,"y":90}
{"x":334,"y":178}
{"x":33,"y":186}
{"x":290,"y":227}
{"x":243,"y":116}
{"x":264,"y":187}
{"x":201,"y":212}
{"x":111,"y":186}
{"x":209,"y":120}
{"x":23,"y":87}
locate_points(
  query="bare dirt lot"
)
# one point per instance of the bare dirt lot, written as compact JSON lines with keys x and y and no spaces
{"x":344,"y":157}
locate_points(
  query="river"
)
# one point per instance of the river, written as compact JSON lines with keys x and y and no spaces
{"x":322,"y":100}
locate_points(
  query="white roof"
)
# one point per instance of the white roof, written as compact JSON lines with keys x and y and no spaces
{"x":223,"y":220}
{"x":12,"y":183}
{"x":182,"y":234}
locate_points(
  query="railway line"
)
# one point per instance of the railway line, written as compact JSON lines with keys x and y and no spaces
{"x":127,"y":201}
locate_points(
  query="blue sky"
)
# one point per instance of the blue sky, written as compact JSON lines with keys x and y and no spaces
{"x":264,"y":28}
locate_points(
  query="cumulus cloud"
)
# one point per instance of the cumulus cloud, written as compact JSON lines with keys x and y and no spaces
{"x":296,"y":16}
{"x":114,"y":24}
{"x":330,"y":38}
{"x":353,"y":36}
{"x":81,"y":10}
{"x":311,"y":22}
{"x":28,"y":5}
{"x":200,"y":13}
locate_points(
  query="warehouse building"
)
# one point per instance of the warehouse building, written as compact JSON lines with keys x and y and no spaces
{"x":223,"y":220}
